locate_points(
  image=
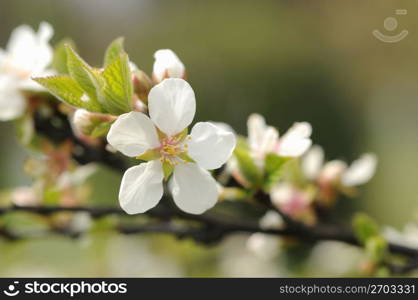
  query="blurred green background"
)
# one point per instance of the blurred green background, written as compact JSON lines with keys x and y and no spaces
{"x":313,"y":61}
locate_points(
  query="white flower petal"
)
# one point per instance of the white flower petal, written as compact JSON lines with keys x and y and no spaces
{"x":261,"y":138}
{"x":360,"y":171}
{"x":269,"y":141}
{"x":45,"y":32}
{"x":210,"y":146}
{"x":12,"y":102}
{"x":256,"y":126}
{"x":132,"y":134}
{"x":408,"y":237}
{"x":167,"y":64}
{"x":172,"y":105}
{"x":30,"y":51}
{"x":19,"y":38}
{"x":312,"y":162}
{"x":296,"y":140}
{"x":3,"y":57}
{"x":224,"y":126}
{"x":194,"y":190}
{"x":142,"y":187}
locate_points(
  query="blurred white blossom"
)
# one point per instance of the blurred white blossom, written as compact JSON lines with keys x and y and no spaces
{"x":264,"y":139}
{"x":27,"y":54}
{"x":337,"y":171}
{"x":291,"y":200}
{"x":360,"y":170}
{"x":407,"y":237}
{"x":263,"y":245}
{"x":271,"y":220}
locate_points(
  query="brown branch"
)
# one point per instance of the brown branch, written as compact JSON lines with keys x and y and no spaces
{"x":217,"y":224}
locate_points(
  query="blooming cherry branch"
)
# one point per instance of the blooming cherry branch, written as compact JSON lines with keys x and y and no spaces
{"x":212,"y":173}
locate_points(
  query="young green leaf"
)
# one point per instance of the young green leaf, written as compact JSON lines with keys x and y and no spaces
{"x":364,"y":227}
{"x":116,"y":91}
{"x":376,"y":248}
{"x":80,"y":71}
{"x":247,"y":166}
{"x":273,"y":169}
{"x":59,"y":62}
{"x":113,"y":51}
{"x":67,"y":89}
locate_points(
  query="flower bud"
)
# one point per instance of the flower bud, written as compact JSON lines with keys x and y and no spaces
{"x":82,"y":122}
{"x":85,"y":122}
{"x":142,"y":84}
{"x":167,"y":65}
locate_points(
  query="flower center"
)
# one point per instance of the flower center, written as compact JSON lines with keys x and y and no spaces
{"x":173,"y":150}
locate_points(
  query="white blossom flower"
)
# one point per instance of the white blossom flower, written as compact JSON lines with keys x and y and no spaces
{"x":167,"y":65}
{"x":295,"y":141}
{"x":263,"y":139}
{"x":359,"y":172}
{"x":27,"y":54}
{"x":172,"y":106}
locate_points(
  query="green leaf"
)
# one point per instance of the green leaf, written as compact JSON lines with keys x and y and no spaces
{"x":364,"y":227}
{"x":67,"y":89}
{"x":113,"y":51}
{"x":376,"y":248}
{"x":116,"y":92}
{"x":167,"y":170}
{"x":273,"y":169}
{"x":247,"y":166}
{"x":83,"y":74}
{"x":59,"y":62}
